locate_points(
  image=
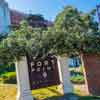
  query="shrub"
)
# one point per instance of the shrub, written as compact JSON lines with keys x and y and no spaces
{"x":78,"y":79}
{"x":81,"y":69}
{"x":1,"y":80}
{"x":75,"y":73}
{"x":6,"y":68}
{"x":9,"y":78}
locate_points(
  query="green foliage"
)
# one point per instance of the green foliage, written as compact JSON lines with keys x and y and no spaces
{"x":9,"y":78}
{"x":3,"y":35}
{"x":73,"y":32}
{"x":1,"y":80}
{"x":91,"y":43}
{"x":78,"y":79}
{"x":82,"y":29}
{"x":58,"y":42}
{"x":81,"y":69}
{"x":90,"y":98}
{"x":73,"y":21}
{"x":6,"y":68}
{"x":77,"y":75}
{"x":21,"y":42}
{"x":37,"y":17}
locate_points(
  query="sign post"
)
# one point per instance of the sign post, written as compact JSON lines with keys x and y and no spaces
{"x":65,"y":75}
{"x":24,"y":92}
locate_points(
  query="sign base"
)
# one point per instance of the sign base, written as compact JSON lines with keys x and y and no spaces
{"x":23,"y":86}
{"x":65,"y":75}
{"x":25,"y":96}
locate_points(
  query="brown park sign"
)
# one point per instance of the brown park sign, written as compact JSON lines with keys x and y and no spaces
{"x":43,"y":72}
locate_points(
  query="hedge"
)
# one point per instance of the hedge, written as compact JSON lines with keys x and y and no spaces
{"x":9,"y":77}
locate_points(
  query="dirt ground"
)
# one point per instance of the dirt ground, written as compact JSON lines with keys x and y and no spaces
{"x":8,"y":92}
{"x":81,"y":90}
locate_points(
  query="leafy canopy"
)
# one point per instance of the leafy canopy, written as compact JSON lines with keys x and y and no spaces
{"x":21,"y":42}
{"x":73,"y":32}
{"x":82,"y":29}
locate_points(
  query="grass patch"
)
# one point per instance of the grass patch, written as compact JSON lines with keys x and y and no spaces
{"x":77,"y":76}
{"x":44,"y":93}
{"x":90,"y":98}
{"x":8,"y":92}
{"x":9,"y":77}
{"x":78,"y":79}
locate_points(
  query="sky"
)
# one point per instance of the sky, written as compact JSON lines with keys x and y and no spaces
{"x":50,"y":8}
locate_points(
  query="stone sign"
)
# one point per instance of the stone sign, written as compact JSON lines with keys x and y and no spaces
{"x":43,"y":72}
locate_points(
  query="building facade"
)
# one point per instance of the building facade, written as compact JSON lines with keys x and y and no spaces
{"x":16,"y":17}
{"x":11,"y":18}
{"x":4,"y":17}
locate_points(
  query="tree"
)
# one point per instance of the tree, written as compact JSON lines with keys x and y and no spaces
{"x":72,"y":33}
{"x":2,"y":36}
{"x":21,"y":42}
{"x":73,"y":21}
{"x":37,"y":21}
{"x":81,"y":28}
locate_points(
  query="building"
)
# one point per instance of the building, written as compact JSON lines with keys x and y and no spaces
{"x":16,"y":17}
{"x":4,"y":17}
{"x":12,"y":18}
{"x":34,"y":20}
{"x":38,"y":21}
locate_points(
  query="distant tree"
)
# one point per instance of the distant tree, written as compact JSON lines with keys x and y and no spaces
{"x":36,"y":17}
{"x":36,"y":21}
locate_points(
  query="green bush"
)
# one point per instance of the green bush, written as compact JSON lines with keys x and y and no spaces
{"x":1,"y":80}
{"x":81,"y":69}
{"x":6,"y":68}
{"x":78,"y":79}
{"x":90,"y":98}
{"x":9,"y":77}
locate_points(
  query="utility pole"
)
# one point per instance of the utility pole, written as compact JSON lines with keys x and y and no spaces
{"x":98,"y":11}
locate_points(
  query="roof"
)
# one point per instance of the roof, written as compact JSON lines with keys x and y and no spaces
{"x":17,"y":17}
